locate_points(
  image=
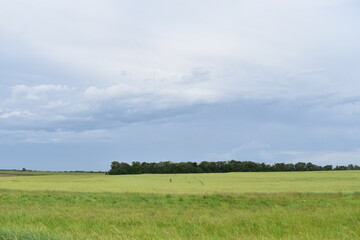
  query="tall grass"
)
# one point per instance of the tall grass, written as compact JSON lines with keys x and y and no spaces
{"x":44,"y":215}
{"x":296,"y":205}
{"x":26,"y":235}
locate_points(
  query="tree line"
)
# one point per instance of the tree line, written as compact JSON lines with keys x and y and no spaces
{"x":118,"y":168}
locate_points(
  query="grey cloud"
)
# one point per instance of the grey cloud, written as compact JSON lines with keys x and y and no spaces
{"x":189,"y":75}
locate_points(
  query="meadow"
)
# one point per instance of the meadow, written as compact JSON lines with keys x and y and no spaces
{"x":207,"y":183}
{"x":281,"y":205}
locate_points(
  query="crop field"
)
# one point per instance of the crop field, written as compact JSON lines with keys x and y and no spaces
{"x":281,"y":205}
{"x":207,"y":183}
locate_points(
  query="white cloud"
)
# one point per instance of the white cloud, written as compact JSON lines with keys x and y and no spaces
{"x":36,"y":92}
{"x":19,"y":114}
{"x":145,"y":42}
{"x":249,"y":46}
{"x":156,"y":95}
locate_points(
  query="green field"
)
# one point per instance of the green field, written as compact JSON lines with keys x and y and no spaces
{"x":283,"y":205}
{"x":208,"y":183}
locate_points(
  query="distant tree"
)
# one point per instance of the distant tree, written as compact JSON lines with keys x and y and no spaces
{"x":216,"y":167}
{"x":279,"y":167}
{"x":136,"y":168}
{"x":328,"y":168}
{"x":341,"y":168}
{"x":312,"y":167}
{"x":24,"y":169}
{"x":353,"y":167}
{"x":120,"y":168}
{"x":300,"y":166}
{"x":289,"y":167}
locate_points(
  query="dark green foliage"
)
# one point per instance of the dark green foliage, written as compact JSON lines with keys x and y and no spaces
{"x":217,"y":167}
{"x":300,"y":166}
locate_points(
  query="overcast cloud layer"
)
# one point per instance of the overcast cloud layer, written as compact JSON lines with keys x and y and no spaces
{"x":84,"y":83}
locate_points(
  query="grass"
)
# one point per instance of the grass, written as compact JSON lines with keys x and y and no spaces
{"x":306,"y":205}
{"x":26,"y":235}
{"x":316,"y":182}
{"x":152,"y":216}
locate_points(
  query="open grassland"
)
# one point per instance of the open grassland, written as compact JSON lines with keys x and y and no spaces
{"x":316,"y":182}
{"x":296,"y":205}
{"x":30,"y":215}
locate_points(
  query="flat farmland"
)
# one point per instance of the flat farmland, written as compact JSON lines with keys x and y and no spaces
{"x":207,"y":183}
{"x":281,"y":205}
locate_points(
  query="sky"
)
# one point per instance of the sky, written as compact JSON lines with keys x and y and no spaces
{"x":85,"y":83}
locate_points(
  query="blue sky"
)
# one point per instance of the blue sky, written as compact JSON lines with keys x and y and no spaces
{"x":84,"y":83}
